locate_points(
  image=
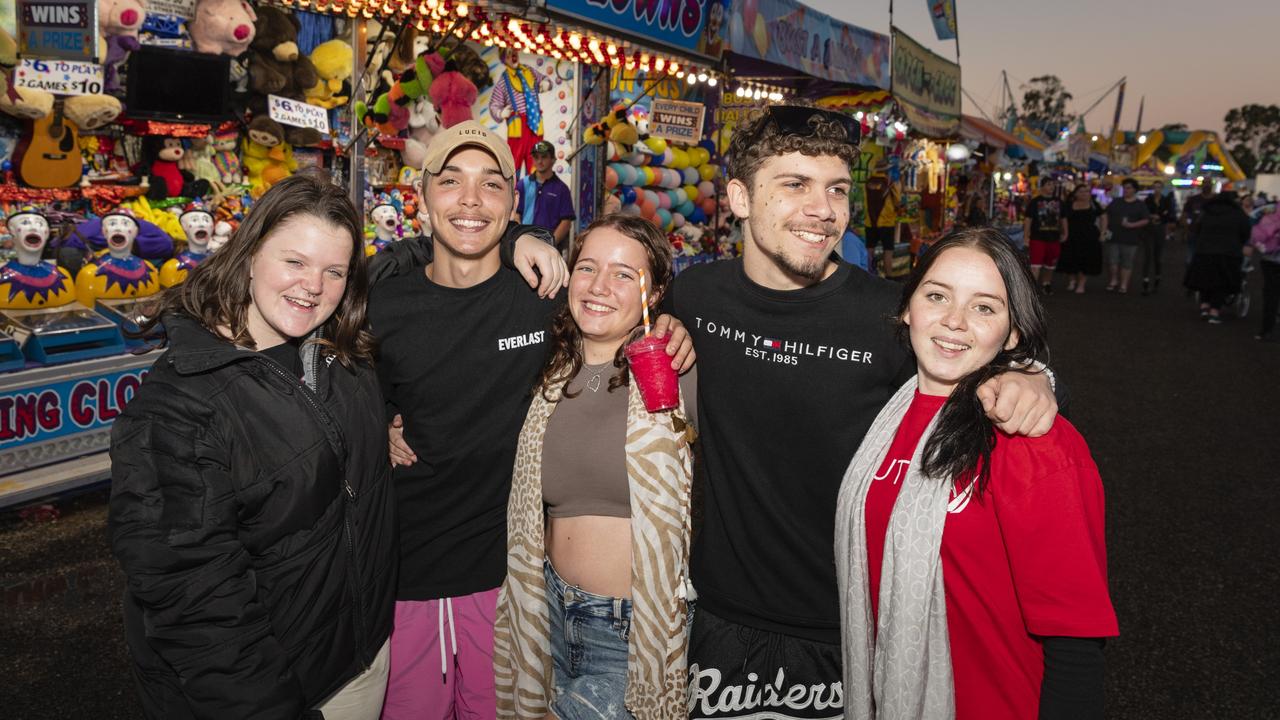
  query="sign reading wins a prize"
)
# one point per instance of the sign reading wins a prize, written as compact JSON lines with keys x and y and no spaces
{"x":926,"y":87}
{"x":60,"y":77}
{"x":297,"y":113}
{"x":58,"y":29}
{"x":676,"y":121}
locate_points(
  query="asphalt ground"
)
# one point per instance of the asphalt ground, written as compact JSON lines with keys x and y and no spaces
{"x":1182,"y":420}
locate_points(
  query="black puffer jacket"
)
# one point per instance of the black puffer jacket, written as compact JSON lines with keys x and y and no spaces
{"x":1223,"y":228}
{"x":253,"y":517}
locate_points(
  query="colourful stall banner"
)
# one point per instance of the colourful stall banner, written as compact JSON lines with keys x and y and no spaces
{"x":787,"y":33}
{"x":58,"y":29}
{"x":35,"y":414}
{"x":676,"y":23}
{"x":927,"y":88}
{"x":943,"y":13}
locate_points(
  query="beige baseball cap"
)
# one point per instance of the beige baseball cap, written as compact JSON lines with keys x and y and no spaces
{"x":447,"y":141}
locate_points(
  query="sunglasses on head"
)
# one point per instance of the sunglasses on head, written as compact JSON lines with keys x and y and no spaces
{"x":803,"y":121}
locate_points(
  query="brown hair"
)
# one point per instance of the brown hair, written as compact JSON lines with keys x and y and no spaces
{"x":762,"y":139}
{"x":216,"y":293}
{"x":566,"y":339}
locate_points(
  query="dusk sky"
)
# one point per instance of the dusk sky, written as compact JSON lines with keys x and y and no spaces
{"x":1193,"y":59}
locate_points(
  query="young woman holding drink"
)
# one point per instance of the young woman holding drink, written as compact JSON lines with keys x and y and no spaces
{"x":971,"y":564}
{"x":593,"y":614}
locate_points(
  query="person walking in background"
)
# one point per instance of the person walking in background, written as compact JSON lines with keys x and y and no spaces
{"x":1219,"y":235}
{"x":251,"y":503}
{"x":1164,"y":217}
{"x":592,"y":619}
{"x":1126,"y":219}
{"x":881,"y":215}
{"x":1191,"y":213}
{"x":959,"y":549}
{"x":1082,"y":244}
{"x":1043,"y":228}
{"x":1266,"y":240}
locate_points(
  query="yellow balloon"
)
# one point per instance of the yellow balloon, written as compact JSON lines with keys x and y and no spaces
{"x":692,"y":192}
{"x":699,"y":156}
{"x":709,"y":172}
{"x":679,"y":159}
{"x":657,"y":144}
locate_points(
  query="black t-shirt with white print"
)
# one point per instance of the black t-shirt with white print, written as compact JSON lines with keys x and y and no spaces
{"x":459,"y":365}
{"x":788,"y":384}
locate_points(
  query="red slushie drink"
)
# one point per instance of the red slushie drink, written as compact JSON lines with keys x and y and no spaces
{"x":651,"y":368}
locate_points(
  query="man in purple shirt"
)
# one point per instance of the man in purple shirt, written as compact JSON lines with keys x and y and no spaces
{"x":544,"y":199}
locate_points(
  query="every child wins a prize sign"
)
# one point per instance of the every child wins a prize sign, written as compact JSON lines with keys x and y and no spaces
{"x":297,"y":113}
{"x":60,"y":77}
{"x":676,"y":121}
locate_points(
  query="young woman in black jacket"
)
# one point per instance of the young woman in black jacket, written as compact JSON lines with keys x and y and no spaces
{"x":251,"y":506}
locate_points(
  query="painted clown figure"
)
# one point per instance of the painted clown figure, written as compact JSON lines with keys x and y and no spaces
{"x":514,"y":99}
{"x":197,"y":225}
{"x":27,"y":282}
{"x":118,"y":274}
{"x":387,"y":227}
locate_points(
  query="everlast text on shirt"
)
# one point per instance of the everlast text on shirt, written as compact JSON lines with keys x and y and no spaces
{"x":518,"y":341}
{"x":786,"y":352}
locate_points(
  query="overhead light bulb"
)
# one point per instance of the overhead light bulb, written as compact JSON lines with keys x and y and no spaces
{"x":463,"y":9}
{"x":1142,"y":139}
{"x":858,"y":115}
{"x":1095,"y":138}
{"x":711,"y":81}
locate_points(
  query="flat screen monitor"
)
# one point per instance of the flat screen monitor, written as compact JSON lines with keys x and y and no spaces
{"x":178,"y":85}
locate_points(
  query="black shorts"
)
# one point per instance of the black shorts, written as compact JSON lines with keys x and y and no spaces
{"x":737,"y":671}
{"x":882,"y":236}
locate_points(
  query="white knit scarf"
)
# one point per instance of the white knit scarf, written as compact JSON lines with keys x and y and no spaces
{"x":659,"y":474}
{"x":901,"y":668}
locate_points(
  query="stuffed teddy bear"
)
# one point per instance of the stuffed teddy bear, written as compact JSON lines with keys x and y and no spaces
{"x":222,"y":27}
{"x":276,"y":67}
{"x":333,"y":61}
{"x":268,"y":158}
{"x":24,"y":103}
{"x":119,"y":22}
{"x":167,"y":178}
{"x":90,"y":112}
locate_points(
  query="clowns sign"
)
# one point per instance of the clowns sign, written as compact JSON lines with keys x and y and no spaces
{"x":45,"y":412}
{"x":926,"y":87}
{"x":787,"y":33}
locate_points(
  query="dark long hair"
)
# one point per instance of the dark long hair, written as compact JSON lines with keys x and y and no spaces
{"x":960,"y":447}
{"x":216,"y":293}
{"x":566,"y":338}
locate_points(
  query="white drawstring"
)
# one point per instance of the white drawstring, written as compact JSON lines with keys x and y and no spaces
{"x":446,"y":605}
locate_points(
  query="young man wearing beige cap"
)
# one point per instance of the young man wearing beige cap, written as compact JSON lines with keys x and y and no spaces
{"x":462,"y":341}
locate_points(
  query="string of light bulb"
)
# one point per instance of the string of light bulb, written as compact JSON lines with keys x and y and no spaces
{"x":466,"y":21}
{"x":760,"y":91}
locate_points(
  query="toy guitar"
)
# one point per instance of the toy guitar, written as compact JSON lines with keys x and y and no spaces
{"x":48,"y":155}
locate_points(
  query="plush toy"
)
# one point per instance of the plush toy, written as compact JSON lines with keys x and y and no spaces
{"x":268,"y":158}
{"x":276,"y":67}
{"x":333,"y":61}
{"x":24,"y":103}
{"x":221,"y":235}
{"x":118,"y":273}
{"x":167,"y":178}
{"x":119,"y":22}
{"x":222,"y":27}
{"x":390,"y":112}
{"x":27,"y":282}
{"x":424,"y":123}
{"x":197,"y":225}
{"x":226,"y":156}
{"x":90,"y":112}
{"x":198,"y":160}
{"x":454,"y":95}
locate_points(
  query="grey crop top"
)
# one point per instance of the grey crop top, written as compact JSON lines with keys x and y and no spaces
{"x":584,"y":467}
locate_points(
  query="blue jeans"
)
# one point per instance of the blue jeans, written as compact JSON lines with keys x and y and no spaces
{"x":589,"y":648}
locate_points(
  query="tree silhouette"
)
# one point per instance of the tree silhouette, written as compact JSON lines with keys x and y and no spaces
{"x":1254,"y":133}
{"x":1044,"y":105}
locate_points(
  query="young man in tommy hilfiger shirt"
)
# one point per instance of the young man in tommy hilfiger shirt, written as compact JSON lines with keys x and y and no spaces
{"x":796,"y":356}
{"x":461,"y":343}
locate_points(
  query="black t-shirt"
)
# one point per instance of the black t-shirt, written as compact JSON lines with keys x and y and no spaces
{"x":1046,"y":218}
{"x":459,"y":365}
{"x":788,"y":383}
{"x":286,"y":353}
